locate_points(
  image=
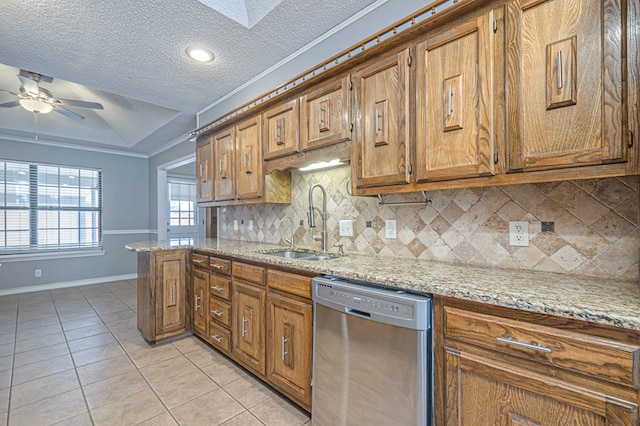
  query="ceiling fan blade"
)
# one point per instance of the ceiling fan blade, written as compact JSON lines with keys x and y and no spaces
{"x":9,"y":92}
{"x":10,"y":104}
{"x":81,"y":104}
{"x":31,"y":87}
{"x":72,"y":115}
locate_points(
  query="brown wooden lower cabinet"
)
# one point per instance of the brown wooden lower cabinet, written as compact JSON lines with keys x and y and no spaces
{"x":509,"y":369}
{"x":161,"y":294}
{"x":248,"y":325}
{"x":289,"y":345}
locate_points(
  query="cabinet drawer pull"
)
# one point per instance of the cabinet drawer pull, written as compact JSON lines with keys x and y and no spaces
{"x":198,"y":261}
{"x":216,"y":313}
{"x":217,"y":338}
{"x":213,"y":265}
{"x":216,"y":288}
{"x":510,"y":341}
{"x":282,"y":351}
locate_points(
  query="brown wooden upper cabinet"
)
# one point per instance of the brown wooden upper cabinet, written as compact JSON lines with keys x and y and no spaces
{"x":454,"y":133}
{"x":204,"y":170}
{"x":250,"y":181}
{"x":281,"y":136}
{"x":325,"y":114}
{"x":381,"y":131}
{"x":223,"y":152}
{"x":566,"y":99}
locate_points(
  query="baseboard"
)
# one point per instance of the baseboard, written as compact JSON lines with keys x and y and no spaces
{"x":54,"y":286}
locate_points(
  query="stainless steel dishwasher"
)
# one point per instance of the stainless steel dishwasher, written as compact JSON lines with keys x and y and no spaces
{"x":371,"y":355}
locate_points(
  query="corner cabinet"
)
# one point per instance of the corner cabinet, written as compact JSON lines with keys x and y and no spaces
{"x":162,"y":291}
{"x":454,"y":102}
{"x":381,"y":153}
{"x":566,"y":83}
{"x":504,"y":367}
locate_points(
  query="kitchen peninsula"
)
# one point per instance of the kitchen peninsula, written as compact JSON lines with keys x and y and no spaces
{"x":564,"y":343}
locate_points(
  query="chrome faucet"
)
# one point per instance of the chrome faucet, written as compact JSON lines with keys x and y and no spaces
{"x":323,"y":214}
{"x":290,"y":241}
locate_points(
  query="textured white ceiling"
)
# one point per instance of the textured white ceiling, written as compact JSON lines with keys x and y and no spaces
{"x":129,"y":56}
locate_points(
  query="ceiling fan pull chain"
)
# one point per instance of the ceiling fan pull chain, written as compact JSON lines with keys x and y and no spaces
{"x":35,"y":124}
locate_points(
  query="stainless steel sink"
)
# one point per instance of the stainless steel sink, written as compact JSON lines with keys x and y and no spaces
{"x":302,"y":255}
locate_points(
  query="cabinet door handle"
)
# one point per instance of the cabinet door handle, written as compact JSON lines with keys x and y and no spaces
{"x":510,"y":341}
{"x":217,"y":338}
{"x":216,"y":288}
{"x":559,"y":68}
{"x":173,"y":294}
{"x":450,"y":102}
{"x":202,"y":174}
{"x":196,"y":306}
{"x":282,"y":351}
{"x":213,"y":265}
{"x":216,"y":313}
{"x":378,"y":117}
{"x":244,"y":330}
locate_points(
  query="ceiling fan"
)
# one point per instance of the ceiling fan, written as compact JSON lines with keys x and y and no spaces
{"x":37,"y":99}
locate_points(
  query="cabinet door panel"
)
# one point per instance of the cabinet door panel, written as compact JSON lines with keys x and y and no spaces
{"x":453,"y":105}
{"x":200,"y":299}
{"x":171,"y":289}
{"x":381,"y":151}
{"x":289,"y":345}
{"x":281,"y":126}
{"x":248,"y":325}
{"x":204,"y":171}
{"x":565,"y":97}
{"x":223,"y":144}
{"x":325,"y":115}
{"x":507,"y":395}
{"x":250,"y":181}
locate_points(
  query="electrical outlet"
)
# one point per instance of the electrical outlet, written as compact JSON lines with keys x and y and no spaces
{"x":38,"y":273}
{"x":519,"y":233}
{"x":235,"y":224}
{"x":390,"y":229}
{"x":250,"y":225}
{"x":346,"y":228}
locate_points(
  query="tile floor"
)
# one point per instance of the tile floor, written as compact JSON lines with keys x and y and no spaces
{"x":74,"y":357}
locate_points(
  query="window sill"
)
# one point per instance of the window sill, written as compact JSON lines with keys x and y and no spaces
{"x":24,"y":257}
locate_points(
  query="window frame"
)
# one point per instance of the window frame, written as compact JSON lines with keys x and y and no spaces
{"x":37,"y":240}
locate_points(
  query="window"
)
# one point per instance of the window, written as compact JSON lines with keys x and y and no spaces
{"x":49,"y":207}
{"x":182,"y":196}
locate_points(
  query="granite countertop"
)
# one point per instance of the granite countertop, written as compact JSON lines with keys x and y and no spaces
{"x":604,"y":301}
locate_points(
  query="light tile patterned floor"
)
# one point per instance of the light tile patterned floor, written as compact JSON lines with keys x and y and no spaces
{"x":74,"y":357}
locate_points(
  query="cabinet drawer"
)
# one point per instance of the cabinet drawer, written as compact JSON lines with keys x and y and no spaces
{"x":199,"y":260}
{"x":220,"y":287}
{"x":291,"y":283}
{"x":220,"y":337}
{"x":220,"y":311}
{"x":590,"y":355}
{"x":251,"y":273}
{"x":220,"y":266}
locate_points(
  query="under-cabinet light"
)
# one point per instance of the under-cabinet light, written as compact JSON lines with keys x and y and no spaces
{"x":321,"y":165}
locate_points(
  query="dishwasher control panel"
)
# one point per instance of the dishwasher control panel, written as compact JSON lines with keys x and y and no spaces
{"x":396,"y":307}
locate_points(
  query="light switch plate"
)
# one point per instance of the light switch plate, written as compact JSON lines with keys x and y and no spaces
{"x":250,"y":225}
{"x":390,"y":229}
{"x":235,"y":224}
{"x":519,"y":233}
{"x":346,"y":228}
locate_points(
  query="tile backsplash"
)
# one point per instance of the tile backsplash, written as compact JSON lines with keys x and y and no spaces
{"x":595,"y":223}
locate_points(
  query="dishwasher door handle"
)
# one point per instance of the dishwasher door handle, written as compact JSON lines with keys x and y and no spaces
{"x":358,"y":313}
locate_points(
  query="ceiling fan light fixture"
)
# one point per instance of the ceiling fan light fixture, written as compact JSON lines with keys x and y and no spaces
{"x":36,"y":105}
{"x":199,"y":54}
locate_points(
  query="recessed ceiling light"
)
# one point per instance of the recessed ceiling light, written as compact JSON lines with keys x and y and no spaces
{"x":199,"y":54}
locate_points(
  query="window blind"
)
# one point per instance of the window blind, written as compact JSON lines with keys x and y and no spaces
{"x":49,"y":207}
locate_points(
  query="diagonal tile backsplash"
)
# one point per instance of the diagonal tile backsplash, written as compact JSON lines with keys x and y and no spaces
{"x":595,"y":223}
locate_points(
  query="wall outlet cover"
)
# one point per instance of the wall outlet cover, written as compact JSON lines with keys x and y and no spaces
{"x":346,"y":228}
{"x":235,"y":224}
{"x":519,"y":233}
{"x":390,"y":229}
{"x":250,"y":225}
